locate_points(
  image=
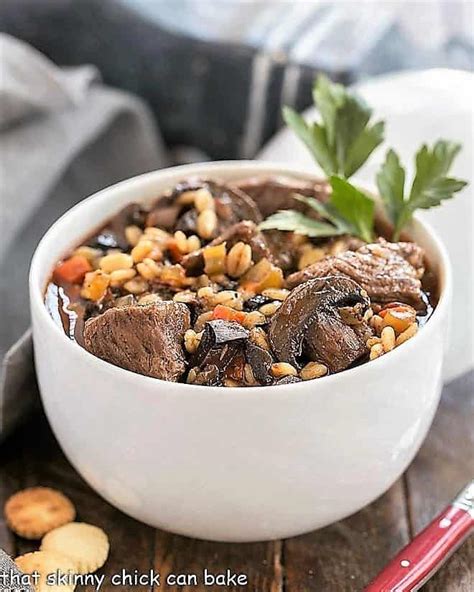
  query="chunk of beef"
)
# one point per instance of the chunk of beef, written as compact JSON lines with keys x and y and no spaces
{"x":323,"y":320}
{"x":147,"y":339}
{"x":411,"y":252}
{"x":276,"y":193}
{"x":283,"y":247}
{"x":245,"y":231}
{"x":164,"y":214}
{"x":380,"y":268}
{"x":233,"y":204}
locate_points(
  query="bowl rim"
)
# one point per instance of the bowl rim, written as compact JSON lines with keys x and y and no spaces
{"x":36,"y":288}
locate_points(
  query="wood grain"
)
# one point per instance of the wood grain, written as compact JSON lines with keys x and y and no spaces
{"x":36,"y":453}
{"x":259,"y":562}
{"x":443,"y":466}
{"x":346,"y":555}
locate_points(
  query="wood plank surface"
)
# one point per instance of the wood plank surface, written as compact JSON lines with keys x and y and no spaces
{"x":259,"y":562}
{"x":342,"y":557}
{"x":44,"y":464}
{"x":443,"y":466}
{"x":346,"y":555}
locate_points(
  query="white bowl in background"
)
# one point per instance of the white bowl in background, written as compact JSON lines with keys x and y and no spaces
{"x":243,"y":464}
{"x":418,"y":107}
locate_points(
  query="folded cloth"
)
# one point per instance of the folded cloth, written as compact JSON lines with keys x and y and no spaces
{"x":12,"y":575}
{"x":30,"y":84}
{"x":62,"y":138}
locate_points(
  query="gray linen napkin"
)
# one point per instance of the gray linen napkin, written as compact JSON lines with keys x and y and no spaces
{"x":63,"y":136}
{"x":9,"y":568}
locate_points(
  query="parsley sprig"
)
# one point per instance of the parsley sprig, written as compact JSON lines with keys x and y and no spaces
{"x":343,"y":140}
{"x":341,"y":143}
{"x":430,"y":186}
{"x":348,"y":211}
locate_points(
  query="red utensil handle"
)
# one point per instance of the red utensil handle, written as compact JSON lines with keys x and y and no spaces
{"x":421,"y":558}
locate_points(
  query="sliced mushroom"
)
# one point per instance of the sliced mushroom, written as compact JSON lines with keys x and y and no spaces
{"x":187,"y":222}
{"x":220,"y":343}
{"x":164,"y":214}
{"x":261,"y":361}
{"x":235,"y":370}
{"x":255,"y":302}
{"x":112,"y":301}
{"x":310,"y":323}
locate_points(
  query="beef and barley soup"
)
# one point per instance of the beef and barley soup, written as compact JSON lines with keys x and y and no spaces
{"x":190,"y":288}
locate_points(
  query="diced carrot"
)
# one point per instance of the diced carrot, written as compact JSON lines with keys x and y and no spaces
{"x":399,"y":317}
{"x":392,"y":305}
{"x":72,"y":270}
{"x":225,"y":313}
{"x":250,"y":287}
{"x":174,"y":251}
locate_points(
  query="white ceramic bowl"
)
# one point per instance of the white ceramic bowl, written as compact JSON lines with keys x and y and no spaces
{"x":241,"y":464}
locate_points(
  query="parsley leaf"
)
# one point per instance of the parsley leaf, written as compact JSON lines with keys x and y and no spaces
{"x":430,"y":186}
{"x":348,"y":211}
{"x":297,"y":222}
{"x":326,"y":211}
{"x":356,"y":208}
{"x":313,"y":135}
{"x":343,"y":141}
{"x":391,"y":183}
{"x":363,"y":147}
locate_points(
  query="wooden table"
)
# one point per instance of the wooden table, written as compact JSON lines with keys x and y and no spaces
{"x":341,"y":557}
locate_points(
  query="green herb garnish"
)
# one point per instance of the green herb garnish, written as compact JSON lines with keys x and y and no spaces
{"x":344,"y":140}
{"x":348,"y":211}
{"x":294,"y":221}
{"x":341,"y":143}
{"x":430,"y":186}
{"x":353,"y":206}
